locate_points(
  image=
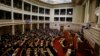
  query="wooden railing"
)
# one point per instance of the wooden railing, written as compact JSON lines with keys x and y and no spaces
{"x":10,"y":22}
{"x":92,"y":35}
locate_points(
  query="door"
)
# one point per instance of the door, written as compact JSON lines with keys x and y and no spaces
{"x":62,"y":28}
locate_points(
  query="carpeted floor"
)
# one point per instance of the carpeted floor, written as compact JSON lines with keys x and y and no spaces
{"x":57,"y":46}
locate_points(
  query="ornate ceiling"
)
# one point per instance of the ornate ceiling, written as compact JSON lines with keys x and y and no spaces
{"x":56,"y":1}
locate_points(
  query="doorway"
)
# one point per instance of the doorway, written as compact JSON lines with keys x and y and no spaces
{"x":61,"y":28}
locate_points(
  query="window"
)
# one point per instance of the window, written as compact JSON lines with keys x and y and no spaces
{"x":62,"y":18}
{"x":63,"y":11}
{"x":26,"y":17}
{"x":17,"y":16}
{"x":47,"y":18}
{"x":41,"y":25}
{"x":70,"y":11}
{"x":27,"y":6}
{"x":34,"y":17}
{"x":41,"y":10}
{"x":34,"y":26}
{"x":47,"y":11}
{"x":97,"y":3}
{"x":56,"y":12}
{"x":47,"y":25}
{"x":8,"y":15}
{"x":18,"y":3}
{"x":69,"y":19}
{"x":41,"y":18}
{"x":35,"y":9}
{"x":5,"y":14}
{"x":6,"y":2}
{"x":56,"y":18}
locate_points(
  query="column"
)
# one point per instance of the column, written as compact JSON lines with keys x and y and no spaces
{"x":38,"y":19}
{"x":59,"y":14}
{"x":12,"y":15}
{"x":87,"y":11}
{"x":44,"y":25}
{"x":38,"y":15}
{"x":44,"y":11}
{"x":31,"y":19}
{"x":31,"y":26}
{"x":12,"y":18}
{"x":98,"y":21}
{"x":23,"y":26}
{"x":37,"y":25}
{"x":23,"y":10}
{"x":13,"y":30}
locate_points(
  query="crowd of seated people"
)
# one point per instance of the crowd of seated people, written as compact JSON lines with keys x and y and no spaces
{"x":9,"y":43}
{"x":38,"y":41}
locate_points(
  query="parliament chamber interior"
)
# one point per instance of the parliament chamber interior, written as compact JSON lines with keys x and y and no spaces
{"x":49,"y":27}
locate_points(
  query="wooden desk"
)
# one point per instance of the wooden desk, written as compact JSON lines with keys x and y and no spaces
{"x":5,"y":52}
{"x":15,"y":52}
{"x":48,"y":50}
{"x":28,"y":52}
{"x":68,"y":52}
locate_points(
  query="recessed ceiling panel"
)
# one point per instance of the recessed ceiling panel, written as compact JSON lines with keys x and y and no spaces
{"x":56,"y":1}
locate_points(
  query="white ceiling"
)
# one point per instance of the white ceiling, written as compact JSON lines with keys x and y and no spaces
{"x":56,"y":1}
